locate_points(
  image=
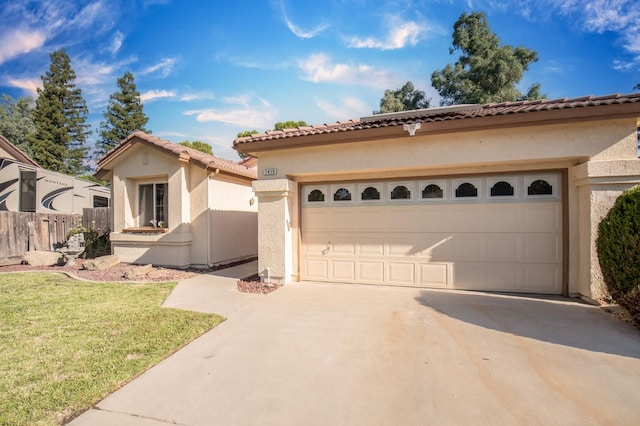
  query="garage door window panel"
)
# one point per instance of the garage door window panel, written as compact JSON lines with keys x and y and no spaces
{"x":467,"y":190}
{"x":540,"y":187}
{"x":502,"y":189}
{"x":432,"y":191}
{"x":342,"y":194}
{"x":316,"y":196}
{"x":370,"y":193}
{"x":400,"y":191}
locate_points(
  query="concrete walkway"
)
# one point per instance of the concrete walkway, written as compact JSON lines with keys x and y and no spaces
{"x":215,"y":292}
{"x":321,"y":354}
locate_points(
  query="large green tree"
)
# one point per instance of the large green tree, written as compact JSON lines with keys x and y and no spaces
{"x":16,"y":121}
{"x":486,"y":71}
{"x":123,"y":116}
{"x":198,"y":146}
{"x":60,"y":116}
{"x":280,"y":125}
{"x":405,"y":98}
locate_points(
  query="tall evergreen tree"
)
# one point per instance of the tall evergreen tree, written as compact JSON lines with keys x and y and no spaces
{"x":123,"y":115}
{"x":486,"y":71}
{"x":60,"y":115}
{"x":16,"y":121}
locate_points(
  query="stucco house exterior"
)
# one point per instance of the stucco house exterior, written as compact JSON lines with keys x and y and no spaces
{"x":176,"y":206}
{"x":499,"y":197}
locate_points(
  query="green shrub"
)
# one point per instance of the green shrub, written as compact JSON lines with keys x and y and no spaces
{"x":96,"y":245}
{"x":619,"y":251}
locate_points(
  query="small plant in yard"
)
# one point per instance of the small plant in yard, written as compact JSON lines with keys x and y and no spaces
{"x":253,"y":284}
{"x":67,"y":344}
{"x":96,"y":244}
{"x":618,"y":247}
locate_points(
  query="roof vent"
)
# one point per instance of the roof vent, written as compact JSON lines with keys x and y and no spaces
{"x":420,"y":112}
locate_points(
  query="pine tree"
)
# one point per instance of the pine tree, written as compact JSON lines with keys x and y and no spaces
{"x":16,"y":121}
{"x":486,"y":70}
{"x":60,"y":118}
{"x":123,"y":115}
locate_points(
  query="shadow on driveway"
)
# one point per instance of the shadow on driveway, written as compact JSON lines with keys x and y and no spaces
{"x":561,"y":321}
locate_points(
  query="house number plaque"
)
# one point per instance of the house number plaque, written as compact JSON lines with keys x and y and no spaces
{"x":270,"y":172}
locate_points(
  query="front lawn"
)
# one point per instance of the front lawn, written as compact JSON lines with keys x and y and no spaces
{"x":66,"y":344}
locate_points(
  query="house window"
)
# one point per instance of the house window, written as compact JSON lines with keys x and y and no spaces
{"x":466,"y":190}
{"x":370,"y":193}
{"x":540,"y":187}
{"x":502,"y":189}
{"x":400,"y":192}
{"x":432,"y":191}
{"x":342,"y":194}
{"x":27,"y":191}
{"x":153,"y":205}
{"x":315,"y":196}
{"x":99,"y":201}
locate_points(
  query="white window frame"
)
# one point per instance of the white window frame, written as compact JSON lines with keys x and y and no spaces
{"x":378,"y":186}
{"x":511,"y":180}
{"x":308,"y":189}
{"x":165,"y":225}
{"x":349,"y":187}
{"x":477,"y":182}
{"x":552,"y":178}
{"x":410,"y":185}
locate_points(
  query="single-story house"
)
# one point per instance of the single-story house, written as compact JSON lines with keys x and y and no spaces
{"x":177,"y":206}
{"x":498,"y":197}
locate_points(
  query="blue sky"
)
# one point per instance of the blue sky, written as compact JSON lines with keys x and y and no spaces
{"x":209,"y":69}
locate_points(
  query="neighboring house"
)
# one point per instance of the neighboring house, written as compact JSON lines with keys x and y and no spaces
{"x":176,"y":206}
{"x":501,"y":197}
{"x":27,"y":187}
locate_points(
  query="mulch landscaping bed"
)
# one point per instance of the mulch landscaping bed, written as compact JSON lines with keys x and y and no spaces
{"x":253,"y":284}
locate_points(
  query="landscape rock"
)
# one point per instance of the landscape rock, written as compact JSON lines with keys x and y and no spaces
{"x":138,"y":273}
{"x":101,"y":263}
{"x":42,"y":258}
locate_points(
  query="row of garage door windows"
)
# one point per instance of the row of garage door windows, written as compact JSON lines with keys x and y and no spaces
{"x":464,"y":190}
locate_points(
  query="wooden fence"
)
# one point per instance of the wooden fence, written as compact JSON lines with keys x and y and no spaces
{"x":22,"y":231}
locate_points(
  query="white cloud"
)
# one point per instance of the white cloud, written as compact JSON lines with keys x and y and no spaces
{"x":401,"y":33}
{"x":349,"y":107}
{"x":28,"y":85}
{"x":116,"y":43}
{"x":164,"y":67}
{"x":244,"y":113}
{"x":318,"y":68}
{"x":17,"y":42}
{"x":299,"y":32}
{"x":196,"y":96}
{"x":156,"y":94}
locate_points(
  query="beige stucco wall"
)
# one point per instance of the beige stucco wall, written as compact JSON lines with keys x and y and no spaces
{"x":611,"y":144}
{"x":233,"y":220}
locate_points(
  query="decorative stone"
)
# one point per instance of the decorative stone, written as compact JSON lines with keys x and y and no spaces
{"x":101,"y":263}
{"x":42,"y":258}
{"x":138,"y":273}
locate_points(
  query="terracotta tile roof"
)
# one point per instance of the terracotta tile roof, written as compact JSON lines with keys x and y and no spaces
{"x":434,"y":115}
{"x":16,"y":152}
{"x":199,"y":158}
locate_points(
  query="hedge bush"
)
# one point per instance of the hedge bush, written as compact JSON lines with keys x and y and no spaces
{"x":619,"y":251}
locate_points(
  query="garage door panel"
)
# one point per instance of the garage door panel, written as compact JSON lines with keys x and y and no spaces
{"x":433,"y":246}
{"x":371,"y":247}
{"x":542,"y":278}
{"x":503,"y":277}
{"x":371,"y":272}
{"x":469,"y":275}
{"x":433,"y":274}
{"x":504,"y":248}
{"x":503,"y":218}
{"x":543,"y":248}
{"x":343,"y":270}
{"x":316,"y":269}
{"x":468,"y":247}
{"x":402,"y":273}
{"x":543,"y":217}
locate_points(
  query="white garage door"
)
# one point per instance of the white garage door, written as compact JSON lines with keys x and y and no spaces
{"x":501,"y":233}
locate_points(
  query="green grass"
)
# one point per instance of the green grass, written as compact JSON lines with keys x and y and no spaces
{"x":66,"y":344}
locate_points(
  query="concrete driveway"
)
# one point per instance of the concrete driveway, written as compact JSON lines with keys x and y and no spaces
{"x":322,"y":354}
